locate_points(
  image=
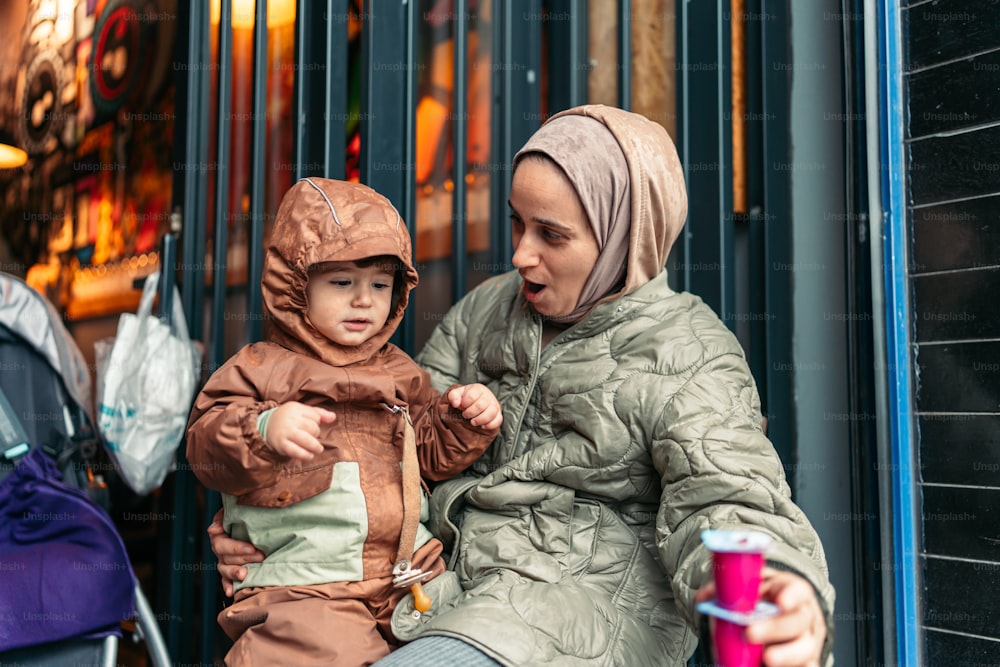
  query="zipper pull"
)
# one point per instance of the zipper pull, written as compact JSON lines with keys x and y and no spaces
{"x":396,"y":409}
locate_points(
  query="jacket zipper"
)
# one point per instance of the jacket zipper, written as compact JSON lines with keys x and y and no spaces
{"x":396,"y":409}
{"x":533,"y":377}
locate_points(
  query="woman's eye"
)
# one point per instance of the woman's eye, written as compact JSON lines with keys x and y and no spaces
{"x":552,"y":236}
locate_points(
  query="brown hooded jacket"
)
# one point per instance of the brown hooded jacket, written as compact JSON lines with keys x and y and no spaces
{"x":357,"y":477}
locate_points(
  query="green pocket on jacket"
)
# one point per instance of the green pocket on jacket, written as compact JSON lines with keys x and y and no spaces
{"x":407,"y":621}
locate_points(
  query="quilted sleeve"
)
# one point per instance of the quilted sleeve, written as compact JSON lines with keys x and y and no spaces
{"x":224,"y":448}
{"x":447,"y":443}
{"x":719,"y":470}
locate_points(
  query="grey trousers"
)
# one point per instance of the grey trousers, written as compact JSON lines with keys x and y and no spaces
{"x":437,"y":652}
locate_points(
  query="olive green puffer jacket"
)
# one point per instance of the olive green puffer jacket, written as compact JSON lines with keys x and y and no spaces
{"x":576,"y":538}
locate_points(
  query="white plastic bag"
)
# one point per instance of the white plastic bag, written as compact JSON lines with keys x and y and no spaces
{"x":146,"y":379}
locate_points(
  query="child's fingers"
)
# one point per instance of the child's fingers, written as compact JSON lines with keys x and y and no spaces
{"x":316,"y":416}
{"x":302,"y":445}
{"x":475,"y":402}
{"x":494,"y":422}
{"x":456,"y":396}
{"x":479,"y":412}
{"x":491,"y":417}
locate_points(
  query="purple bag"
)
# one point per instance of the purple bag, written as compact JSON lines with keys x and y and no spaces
{"x":64,"y":571}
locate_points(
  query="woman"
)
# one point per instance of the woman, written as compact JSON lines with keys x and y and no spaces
{"x":631,"y":423}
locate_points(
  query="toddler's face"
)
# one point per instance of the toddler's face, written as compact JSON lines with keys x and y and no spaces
{"x":348,"y":303}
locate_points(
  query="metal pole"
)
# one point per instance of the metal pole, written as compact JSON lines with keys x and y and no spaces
{"x":459,"y":152}
{"x":625,"y":54}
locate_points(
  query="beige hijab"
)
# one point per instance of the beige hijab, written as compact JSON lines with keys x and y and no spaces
{"x":626,"y":172}
{"x":592,"y":160}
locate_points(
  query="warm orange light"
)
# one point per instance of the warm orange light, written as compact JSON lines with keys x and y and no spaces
{"x":11,"y":157}
{"x":279,"y":13}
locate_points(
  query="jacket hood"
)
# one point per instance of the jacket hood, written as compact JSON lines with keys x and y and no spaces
{"x":657,"y":189}
{"x":323,"y":220}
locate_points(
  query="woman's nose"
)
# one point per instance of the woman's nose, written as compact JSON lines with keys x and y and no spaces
{"x":524,"y":255}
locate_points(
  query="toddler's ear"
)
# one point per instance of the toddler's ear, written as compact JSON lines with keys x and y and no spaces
{"x":398,"y":280}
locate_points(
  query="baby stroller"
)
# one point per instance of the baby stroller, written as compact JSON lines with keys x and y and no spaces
{"x":66,"y":583}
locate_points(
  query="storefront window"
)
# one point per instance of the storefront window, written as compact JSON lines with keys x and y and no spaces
{"x":436,"y":153}
{"x":86,"y":90}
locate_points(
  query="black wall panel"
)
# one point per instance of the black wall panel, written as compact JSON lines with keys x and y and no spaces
{"x":952,"y":84}
{"x":962,"y":522}
{"x":944,"y":30}
{"x":960,"y":596}
{"x":956,"y":235}
{"x":954,"y":166}
{"x":957,"y":448}
{"x":959,"y":377}
{"x":944,"y":648}
{"x":957,"y":305}
{"x":975,"y":84}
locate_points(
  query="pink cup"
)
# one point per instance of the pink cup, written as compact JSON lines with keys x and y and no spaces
{"x":737,"y":559}
{"x":732,"y":648}
{"x":737,"y":579}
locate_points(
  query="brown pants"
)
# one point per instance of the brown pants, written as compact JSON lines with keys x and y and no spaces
{"x":343,"y":624}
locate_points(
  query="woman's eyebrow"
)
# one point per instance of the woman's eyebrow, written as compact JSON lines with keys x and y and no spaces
{"x":566,"y":229}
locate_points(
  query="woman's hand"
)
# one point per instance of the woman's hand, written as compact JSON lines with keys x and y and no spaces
{"x":478,"y":405}
{"x":795,"y":637}
{"x":232,"y":554}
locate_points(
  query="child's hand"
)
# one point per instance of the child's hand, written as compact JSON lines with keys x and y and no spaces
{"x":478,"y":405}
{"x":292,"y":430}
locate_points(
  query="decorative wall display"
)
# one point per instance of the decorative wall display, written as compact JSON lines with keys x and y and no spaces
{"x":86,"y":90}
{"x":117,"y":55}
{"x":41,"y":109}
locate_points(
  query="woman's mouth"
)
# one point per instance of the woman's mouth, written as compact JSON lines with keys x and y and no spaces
{"x":532,"y":291}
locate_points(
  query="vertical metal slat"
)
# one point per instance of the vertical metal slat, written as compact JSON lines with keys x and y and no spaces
{"x":625,"y":54}
{"x":258,"y":173}
{"x":706,"y":151}
{"x":757,"y":217}
{"x":566,"y":31}
{"x":219,"y":269}
{"x":310,"y":137}
{"x":459,"y":152}
{"x":336,"y":106}
{"x":517,"y":63}
{"x":222,"y":213}
{"x":178,"y":596}
{"x":387,"y":127}
{"x":409,"y":198}
{"x":776,"y":149}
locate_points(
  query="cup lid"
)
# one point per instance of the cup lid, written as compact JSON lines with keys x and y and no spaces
{"x":762,"y":610}
{"x":736,"y":541}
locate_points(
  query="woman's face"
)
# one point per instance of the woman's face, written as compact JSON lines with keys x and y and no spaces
{"x":554,"y":246}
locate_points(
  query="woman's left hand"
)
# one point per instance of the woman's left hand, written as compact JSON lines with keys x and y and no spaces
{"x":795,"y":637}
